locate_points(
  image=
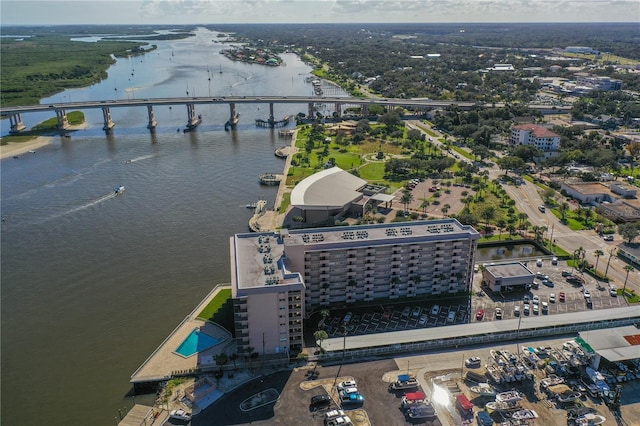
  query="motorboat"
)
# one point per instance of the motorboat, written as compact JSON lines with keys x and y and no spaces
{"x":551,"y":380}
{"x":424,"y":411}
{"x":502,"y":406}
{"x":524,"y":415}
{"x":483,"y":389}
{"x":589,"y":419}
{"x":598,"y":379}
{"x":119,"y":190}
{"x":509,"y":396}
{"x":180,"y":414}
{"x":412,"y":399}
{"x":494,"y":373}
{"x":404,"y":381}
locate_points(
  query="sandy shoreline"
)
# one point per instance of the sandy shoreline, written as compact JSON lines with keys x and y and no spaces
{"x":17,"y":148}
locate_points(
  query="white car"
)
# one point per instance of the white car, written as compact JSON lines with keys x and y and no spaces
{"x":536,"y":300}
{"x":498,"y":313}
{"x":347,"y":384}
{"x":587,"y":294}
{"x":545,"y":306}
{"x":451,"y":317}
{"x":473,"y":362}
{"x":435,"y":310}
{"x":552,"y":298}
{"x":516,"y":311}
{"x":348,"y":391}
{"x":539,"y":262}
{"x":554,"y":261}
{"x":613,"y":292}
{"x":423,"y":319}
{"x":180,"y":414}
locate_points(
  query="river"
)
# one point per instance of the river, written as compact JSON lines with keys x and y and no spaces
{"x":93,"y":282}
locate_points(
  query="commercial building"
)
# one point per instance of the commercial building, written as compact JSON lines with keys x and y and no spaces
{"x":599,"y":83}
{"x":280,"y":278}
{"x":538,"y":136}
{"x":613,"y":344}
{"x":334,"y":192}
{"x":507,"y":277}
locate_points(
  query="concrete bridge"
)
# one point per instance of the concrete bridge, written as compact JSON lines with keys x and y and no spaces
{"x":193,"y":119}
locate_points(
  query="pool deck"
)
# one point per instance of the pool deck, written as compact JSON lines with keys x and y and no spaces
{"x":164,"y":361}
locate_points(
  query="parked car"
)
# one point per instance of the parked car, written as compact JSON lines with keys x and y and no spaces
{"x":539,"y":262}
{"x":516,"y":311}
{"x":587,"y":294}
{"x":435,"y":310}
{"x":554,"y":261}
{"x":561,"y":296}
{"x":526,"y":309}
{"x":347,"y":317}
{"x":348,"y":391}
{"x":536,"y":310}
{"x":552,"y":298}
{"x":613,"y":292}
{"x":536,"y":300}
{"x":472,"y":362}
{"x":353,"y":399}
{"x":320,"y":401}
{"x":423,"y":319}
{"x":545,"y":307}
{"x":566,"y":273}
{"x":526,"y":299}
{"x":480,"y":315}
{"x":406,"y":311}
{"x":416,"y":311}
{"x":608,"y":237}
{"x":451,"y":317}
{"x":346,"y":385}
{"x":498,"y":313}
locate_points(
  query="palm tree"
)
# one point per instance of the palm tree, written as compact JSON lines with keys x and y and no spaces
{"x":445,"y":209}
{"x":488,"y":213}
{"x":407,"y":198}
{"x":563,"y":210}
{"x":319,"y":337}
{"x":522,"y":217}
{"x":588,"y":214}
{"x":598,"y":253}
{"x":627,"y":268}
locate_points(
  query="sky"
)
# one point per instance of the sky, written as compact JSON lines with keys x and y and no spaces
{"x":60,"y":12}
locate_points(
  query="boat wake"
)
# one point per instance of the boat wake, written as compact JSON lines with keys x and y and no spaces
{"x":95,"y":202}
{"x":144,"y":157}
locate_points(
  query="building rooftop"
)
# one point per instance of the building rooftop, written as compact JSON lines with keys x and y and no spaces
{"x":328,"y":189}
{"x":614,"y":344}
{"x":537,"y":131}
{"x":587,"y":188}
{"x":436,"y":229}
{"x":515,"y":269}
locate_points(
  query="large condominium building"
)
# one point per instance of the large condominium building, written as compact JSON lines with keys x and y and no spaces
{"x":280,"y":278}
{"x":538,"y":136}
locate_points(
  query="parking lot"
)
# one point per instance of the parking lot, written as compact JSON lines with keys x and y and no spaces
{"x":574,"y":294}
{"x":397,"y":317}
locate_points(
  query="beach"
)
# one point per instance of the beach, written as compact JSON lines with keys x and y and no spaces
{"x":18,"y":148}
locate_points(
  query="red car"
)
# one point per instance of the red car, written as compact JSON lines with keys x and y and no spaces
{"x":561,"y":297}
{"x":480,"y":315}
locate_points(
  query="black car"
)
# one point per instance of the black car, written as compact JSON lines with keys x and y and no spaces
{"x":320,"y":401}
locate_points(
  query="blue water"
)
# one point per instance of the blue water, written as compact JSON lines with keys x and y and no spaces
{"x":196,"y":342}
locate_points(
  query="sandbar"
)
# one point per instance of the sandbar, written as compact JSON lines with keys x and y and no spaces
{"x":17,"y":148}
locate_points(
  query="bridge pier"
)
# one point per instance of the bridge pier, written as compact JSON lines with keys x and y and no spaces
{"x":311,"y":112}
{"x":63,"y":123}
{"x":16,"y":123}
{"x":272,"y":120}
{"x":192,"y":119}
{"x":152,"y":118}
{"x":106,"y":118}
{"x":364,"y":110}
{"x":233,"y":117}
{"x":338,"y":110}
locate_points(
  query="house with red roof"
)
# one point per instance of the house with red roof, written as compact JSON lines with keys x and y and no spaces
{"x":535,"y":135}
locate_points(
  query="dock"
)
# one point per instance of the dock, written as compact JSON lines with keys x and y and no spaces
{"x":261,"y":207}
{"x":274,"y":123}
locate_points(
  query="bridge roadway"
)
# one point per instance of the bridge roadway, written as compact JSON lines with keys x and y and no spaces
{"x":15,"y":112}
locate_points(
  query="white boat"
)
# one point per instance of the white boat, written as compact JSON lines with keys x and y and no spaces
{"x":598,"y":379}
{"x":405,"y":381}
{"x":494,"y":373}
{"x":119,"y":190}
{"x":589,"y":420}
{"x":552,"y":380}
{"x":524,"y":415}
{"x":180,"y":414}
{"x":483,"y":389}
{"x":502,"y":406}
{"x":509,"y":396}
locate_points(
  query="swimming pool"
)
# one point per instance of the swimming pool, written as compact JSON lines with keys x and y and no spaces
{"x":196,"y":342}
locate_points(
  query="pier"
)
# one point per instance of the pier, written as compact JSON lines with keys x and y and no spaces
{"x":271,"y":178}
{"x":273,"y":123}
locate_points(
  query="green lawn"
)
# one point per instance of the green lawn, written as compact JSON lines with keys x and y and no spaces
{"x":216,"y":303}
{"x":286,"y":200}
{"x":463,"y":152}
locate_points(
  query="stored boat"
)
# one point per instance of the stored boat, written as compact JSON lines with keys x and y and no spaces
{"x":414,"y":398}
{"x":524,"y":415}
{"x":598,"y":379}
{"x":483,"y":389}
{"x":464,"y":404}
{"x":509,"y":396}
{"x":424,"y":411}
{"x":405,"y":381}
{"x":494,"y":373}
{"x":589,"y":420}
{"x":551,"y":380}
{"x":502,"y":406}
